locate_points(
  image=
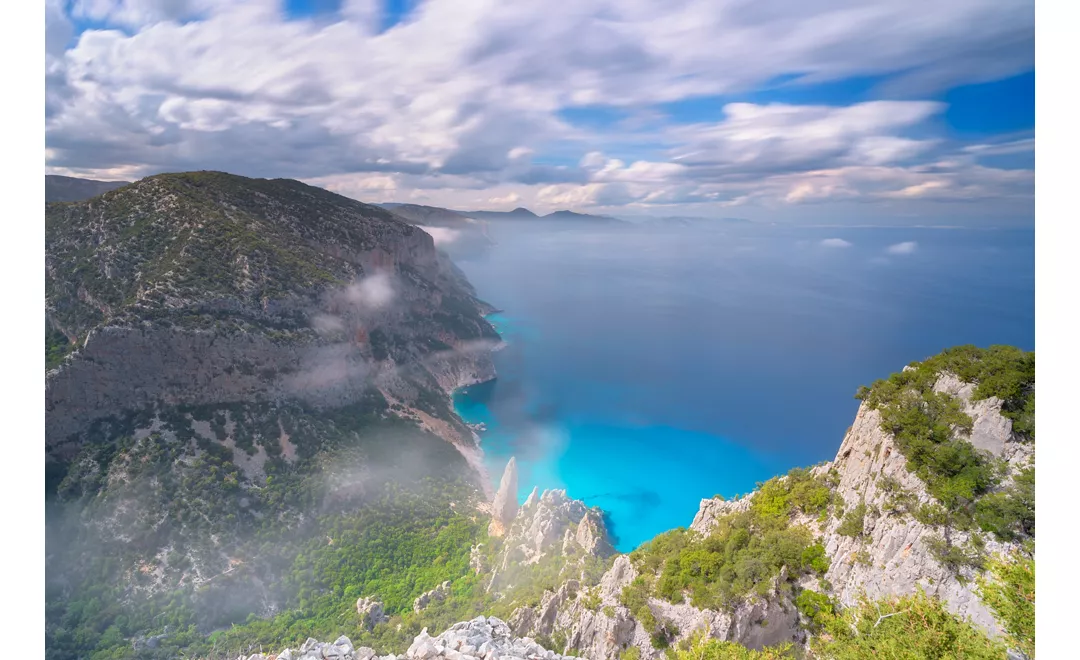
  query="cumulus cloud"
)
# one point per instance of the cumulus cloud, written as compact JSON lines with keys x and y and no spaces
{"x":835,"y":243}
{"x":907,"y":247}
{"x":462,"y":101}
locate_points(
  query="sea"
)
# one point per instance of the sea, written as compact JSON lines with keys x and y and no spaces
{"x":649,"y":367}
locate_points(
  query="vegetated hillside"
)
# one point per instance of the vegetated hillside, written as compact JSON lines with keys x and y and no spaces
{"x":240,"y":372}
{"x":73,"y":189}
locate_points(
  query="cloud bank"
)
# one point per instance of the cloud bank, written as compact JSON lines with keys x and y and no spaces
{"x":470,"y":104}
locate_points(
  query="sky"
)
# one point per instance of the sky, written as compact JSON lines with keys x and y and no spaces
{"x":812,"y":111}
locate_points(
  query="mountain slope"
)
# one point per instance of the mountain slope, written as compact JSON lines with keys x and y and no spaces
{"x":207,"y":287}
{"x":73,"y":189}
{"x":239,"y":370}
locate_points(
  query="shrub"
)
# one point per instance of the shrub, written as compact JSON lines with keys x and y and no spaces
{"x":954,"y":557}
{"x":915,"y":626}
{"x":1010,"y":592}
{"x":816,"y":608}
{"x":1010,"y":513}
{"x":852,"y":524}
{"x":700,"y":647}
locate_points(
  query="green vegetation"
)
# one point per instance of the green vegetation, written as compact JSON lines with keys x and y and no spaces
{"x":363,"y":507}
{"x":57,"y":347}
{"x":955,"y":557}
{"x":1010,"y":513}
{"x":741,"y":556}
{"x":816,"y":609}
{"x":923,"y":423}
{"x":852,"y":523}
{"x":911,"y":628}
{"x":699,"y":647}
{"x":1010,"y":592}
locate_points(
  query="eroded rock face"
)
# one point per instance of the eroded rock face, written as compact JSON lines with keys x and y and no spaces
{"x":713,"y":509}
{"x":550,"y":525}
{"x":371,"y":612}
{"x":436,"y":595}
{"x":991,"y":431}
{"x":604,"y":629}
{"x":892,"y":558}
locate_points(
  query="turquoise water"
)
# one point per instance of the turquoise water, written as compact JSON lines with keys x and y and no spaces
{"x":645,"y":371}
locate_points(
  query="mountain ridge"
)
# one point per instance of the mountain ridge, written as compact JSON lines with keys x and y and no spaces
{"x":75,"y":189}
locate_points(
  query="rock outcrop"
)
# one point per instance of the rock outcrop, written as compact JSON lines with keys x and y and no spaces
{"x":549,"y":527}
{"x":892,"y":557}
{"x":371,"y":612}
{"x":596,"y":625}
{"x":505,"y":506}
{"x":483,"y":638}
{"x":436,"y":595}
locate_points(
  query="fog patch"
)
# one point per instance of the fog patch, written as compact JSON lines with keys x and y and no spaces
{"x":442,"y":235}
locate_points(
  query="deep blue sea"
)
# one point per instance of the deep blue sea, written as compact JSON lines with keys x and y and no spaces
{"x":648,"y":368}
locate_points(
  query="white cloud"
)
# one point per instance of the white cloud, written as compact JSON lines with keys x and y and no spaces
{"x":459,"y":104}
{"x":907,"y":247}
{"x":504,"y":200}
{"x":835,"y":243}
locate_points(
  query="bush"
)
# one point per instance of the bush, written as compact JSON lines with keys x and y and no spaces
{"x":954,"y":557}
{"x":1010,"y":592}
{"x":1010,"y":514}
{"x":915,"y":626}
{"x":816,"y":608}
{"x":744,"y":552}
{"x":852,"y":524}
{"x":700,"y":647}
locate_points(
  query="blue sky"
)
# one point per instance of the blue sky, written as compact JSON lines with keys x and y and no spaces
{"x":795,"y":111}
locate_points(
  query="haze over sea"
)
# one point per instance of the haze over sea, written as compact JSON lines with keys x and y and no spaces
{"x":648,"y":368}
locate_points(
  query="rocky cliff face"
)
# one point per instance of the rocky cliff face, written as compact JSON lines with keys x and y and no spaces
{"x":206,"y":287}
{"x":892,"y":556}
{"x":895,"y":556}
